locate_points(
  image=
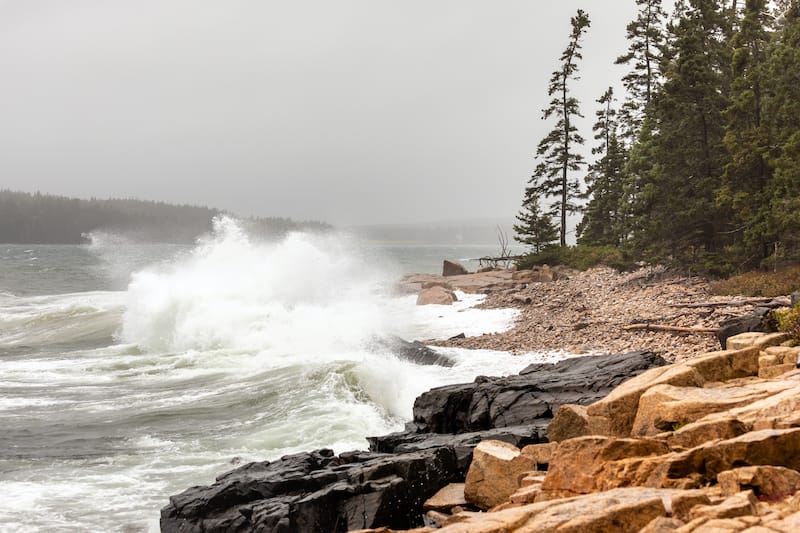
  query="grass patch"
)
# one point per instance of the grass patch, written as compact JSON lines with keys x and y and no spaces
{"x":758,"y":283}
{"x":580,"y":257}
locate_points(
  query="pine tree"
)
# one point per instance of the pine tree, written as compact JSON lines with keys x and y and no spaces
{"x":646,"y":37}
{"x":601,"y":215}
{"x":534,"y":229}
{"x":557,"y":151}
{"x":677,"y":217}
{"x":779,"y":216}
{"x":747,"y":136}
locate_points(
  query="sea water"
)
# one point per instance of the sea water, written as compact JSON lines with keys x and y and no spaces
{"x":129,"y":372}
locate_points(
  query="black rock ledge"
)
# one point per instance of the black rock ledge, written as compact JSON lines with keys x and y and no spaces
{"x":318,"y":492}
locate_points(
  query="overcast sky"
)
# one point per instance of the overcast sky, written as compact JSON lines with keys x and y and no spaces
{"x":349,"y":111}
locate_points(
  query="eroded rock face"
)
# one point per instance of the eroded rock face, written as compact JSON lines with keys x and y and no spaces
{"x":495,"y":473}
{"x":613,"y":511}
{"x":577,"y":466}
{"x":770,"y":482}
{"x":315,"y":492}
{"x":614,"y":415}
{"x":667,"y":408}
{"x":446,"y":498}
{"x":700,"y":466}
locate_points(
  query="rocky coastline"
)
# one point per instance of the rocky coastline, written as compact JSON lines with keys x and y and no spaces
{"x":387,"y":485}
{"x":682,"y":438}
{"x":594,"y":311}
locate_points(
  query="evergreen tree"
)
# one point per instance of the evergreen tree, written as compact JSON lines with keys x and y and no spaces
{"x":534,"y":229}
{"x":677,"y":217}
{"x":557,"y":152}
{"x":779,"y":217}
{"x":601,"y":215}
{"x":747,"y":137}
{"x":646,"y":37}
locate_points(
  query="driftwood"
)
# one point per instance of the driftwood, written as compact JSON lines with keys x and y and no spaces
{"x":767,"y":302}
{"x":672,"y":329}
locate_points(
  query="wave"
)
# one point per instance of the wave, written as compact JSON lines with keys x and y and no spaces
{"x":305,"y":294}
{"x":59,"y":319}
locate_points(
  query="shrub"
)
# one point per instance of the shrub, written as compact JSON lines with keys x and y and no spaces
{"x":788,"y":321}
{"x":760,"y":283}
{"x":581,"y":257}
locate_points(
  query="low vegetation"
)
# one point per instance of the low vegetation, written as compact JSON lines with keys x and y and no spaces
{"x":581,"y":257}
{"x":788,"y":321}
{"x":760,"y":283}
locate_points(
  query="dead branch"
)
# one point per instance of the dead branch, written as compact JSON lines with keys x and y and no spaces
{"x":671,"y":329}
{"x":777,"y":302}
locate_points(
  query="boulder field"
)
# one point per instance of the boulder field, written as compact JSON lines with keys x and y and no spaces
{"x":708,"y":445}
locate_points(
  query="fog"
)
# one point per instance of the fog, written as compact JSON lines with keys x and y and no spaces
{"x":352,"y":112}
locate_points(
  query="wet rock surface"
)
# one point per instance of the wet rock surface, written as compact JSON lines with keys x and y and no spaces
{"x":315,"y":492}
{"x":319,"y":492}
{"x":535,"y":394}
{"x":415,"y":351}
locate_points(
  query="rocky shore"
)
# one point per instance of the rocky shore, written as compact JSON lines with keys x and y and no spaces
{"x":591,"y":311}
{"x":386,"y":486}
{"x":679,"y":437}
{"x":707,"y":445}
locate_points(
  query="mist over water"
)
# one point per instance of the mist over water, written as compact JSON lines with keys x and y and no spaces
{"x":207,"y":357}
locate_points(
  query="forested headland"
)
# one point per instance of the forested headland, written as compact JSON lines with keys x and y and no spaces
{"x":697,"y":163}
{"x":35,"y":218}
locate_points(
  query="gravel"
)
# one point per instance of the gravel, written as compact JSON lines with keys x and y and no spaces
{"x":586,"y":313}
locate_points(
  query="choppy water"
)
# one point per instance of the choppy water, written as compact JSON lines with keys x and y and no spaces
{"x":129,"y":372}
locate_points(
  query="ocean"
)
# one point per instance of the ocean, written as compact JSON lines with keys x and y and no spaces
{"x":129,"y":372}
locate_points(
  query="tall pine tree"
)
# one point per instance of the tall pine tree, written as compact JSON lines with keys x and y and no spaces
{"x":558,"y":151}
{"x":646,"y":40}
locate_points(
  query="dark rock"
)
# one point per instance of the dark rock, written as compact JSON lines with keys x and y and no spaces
{"x":463,"y":444}
{"x":416,"y":352}
{"x":452,"y":268}
{"x":320,"y":492}
{"x":756,"y":320}
{"x":459,"y":336}
{"x":316,"y":492}
{"x":535,"y":394}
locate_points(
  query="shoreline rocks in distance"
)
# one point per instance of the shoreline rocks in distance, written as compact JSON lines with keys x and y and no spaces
{"x":453,"y":268}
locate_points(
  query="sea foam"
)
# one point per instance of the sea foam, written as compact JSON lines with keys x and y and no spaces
{"x":303,"y":294}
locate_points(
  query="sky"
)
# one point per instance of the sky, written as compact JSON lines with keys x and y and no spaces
{"x":347,"y":111}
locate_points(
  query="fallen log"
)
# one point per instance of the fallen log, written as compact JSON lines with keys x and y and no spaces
{"x":768,"y":302}
{"x":671,"y":329}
